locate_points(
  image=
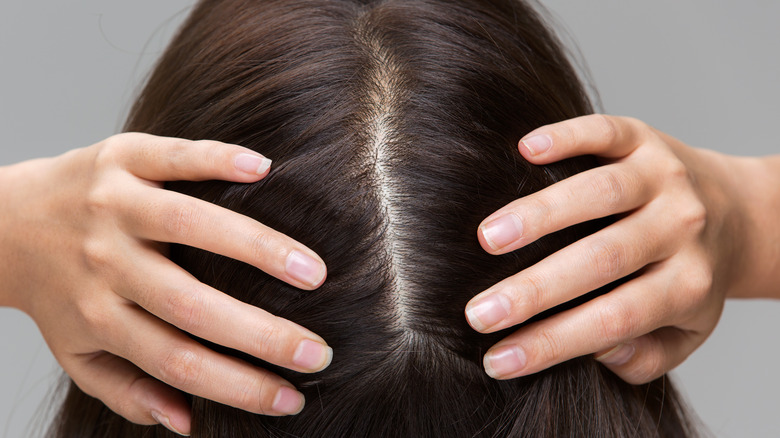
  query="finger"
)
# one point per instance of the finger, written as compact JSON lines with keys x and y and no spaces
{"x":650,"y":356}
{"x":172,"y":294}
{"x":166,"y":353}
{"x":130,"y":392}
{"x":171,"y":159}
{"x":593,"y":261}
{"x":593,"y":194}
{"x":631,"y":310}
{"x":597,"y":134}
{"x":166,"y":216}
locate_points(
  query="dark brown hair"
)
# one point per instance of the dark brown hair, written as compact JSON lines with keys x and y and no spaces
{"x":394,"y":127}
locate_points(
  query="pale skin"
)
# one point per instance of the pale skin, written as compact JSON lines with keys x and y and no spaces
{"x":83,"y":248}
{"x":694,"y":225}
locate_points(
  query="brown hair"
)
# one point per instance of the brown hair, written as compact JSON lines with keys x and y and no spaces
{"x":394,"y":127}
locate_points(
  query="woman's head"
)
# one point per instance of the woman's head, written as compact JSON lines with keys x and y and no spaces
{"x":393,"y":126}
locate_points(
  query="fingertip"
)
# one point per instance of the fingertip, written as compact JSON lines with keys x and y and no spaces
{"x":483,"y":242}
{"x":250,"y":165}
{"x":618,"y":355}
{"x":312,"y":355}
{"x":500,"y":234}
{"x":168,"y":407}
{"x":535,"y":145}
{"x":288,"y":401}
{"x":175,"y":425}
{"x":306,"y":268}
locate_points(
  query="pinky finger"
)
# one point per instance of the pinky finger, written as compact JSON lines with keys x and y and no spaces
{"x":650,"y":356}
{"x":130,"y":392}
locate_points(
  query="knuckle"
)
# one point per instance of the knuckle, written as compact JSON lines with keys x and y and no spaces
{"x":615,"y":323}
{"x":549,"y":346}
{"x":608,"y":188}
{"x":179,"y":368}
{"x":566,"y":132}
{"x":699,"y":282}
{"x":186,"y":309}
{"x":178,"y":152}
{"x":609,"y":259}
{"x":264,"y":399}
{"x":213,"y":152}
{"x":113,"y":149}
{"x":263,"y":245}
{"x":532,"y":292}
{"x":248,"y":397}
{"x":113,"y":146}
{"x":95,"y":316}
{"x":694,"y":217}
{"x":97,"y":254}
{"x":606,"y":127}
{"x":181,"y":219}
{"x":270,"y":339}
{"x":676,"y":170}
{"x":544,"y":207}
{"x":100,"y":199}
{"x":124,"y":406}
{"x":638,"y":125}
{"x":649,"y":368}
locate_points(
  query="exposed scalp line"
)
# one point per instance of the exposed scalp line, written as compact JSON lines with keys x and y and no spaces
{"x":384,"y":94}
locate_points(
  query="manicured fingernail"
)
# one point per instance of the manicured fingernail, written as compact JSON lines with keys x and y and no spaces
{"x":252,"y":164}
{"x":166,"y":422}
{"x":488,"y":311}
{"x":538,"y":144}
{"x":304,"y":268}
{"x":618,"y":355}
{"x":288,"y":401}
{"x":502,"y":231}
{"x":312,"y":355}
{"x":504,"y":361}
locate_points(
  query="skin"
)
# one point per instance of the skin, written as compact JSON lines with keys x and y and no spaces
{"x":694,"y":225}
{"x":84,"y":238}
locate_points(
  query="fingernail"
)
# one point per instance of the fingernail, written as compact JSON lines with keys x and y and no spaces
{"x":538,"y":144}
{"x":618,"y":355}
{"x":304,"y":268}
{"x":288,"y":401}
{"x":312,"y":355}
{"x":166,"y":422}
{"x":502,"y":231}
{"x":504,"y":361}
{"x":488,"y":311}
{"x":252,"y":163}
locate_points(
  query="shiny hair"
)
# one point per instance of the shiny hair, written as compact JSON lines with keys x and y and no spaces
{"x":393,"y":126}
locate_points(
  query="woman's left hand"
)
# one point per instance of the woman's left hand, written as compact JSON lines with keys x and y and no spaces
{"x":678,"y":230}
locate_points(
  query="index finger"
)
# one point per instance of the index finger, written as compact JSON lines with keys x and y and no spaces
{"x":596,"y":134}
{"x":163,"y":159}
{"x":166,"y":216}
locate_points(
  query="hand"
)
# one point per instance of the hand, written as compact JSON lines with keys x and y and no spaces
{"x":680,"y":230}
{"x":82,"y":255}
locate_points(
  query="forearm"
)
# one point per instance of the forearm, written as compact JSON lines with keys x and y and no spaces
{"x":17,"y":229}
{"x":758,"y":189}
{"x":6,"y":261}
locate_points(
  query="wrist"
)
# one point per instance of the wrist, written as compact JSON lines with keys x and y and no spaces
{"x":7,"y":185}
{"x":16,"y":236}
{"x":756,"y":185}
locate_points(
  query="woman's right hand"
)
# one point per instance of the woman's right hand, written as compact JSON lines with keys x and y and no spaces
{"x":694,"y":227}
{"x":83,"y":248}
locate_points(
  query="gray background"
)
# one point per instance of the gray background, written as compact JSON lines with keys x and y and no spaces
{"x":703,"y":71}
